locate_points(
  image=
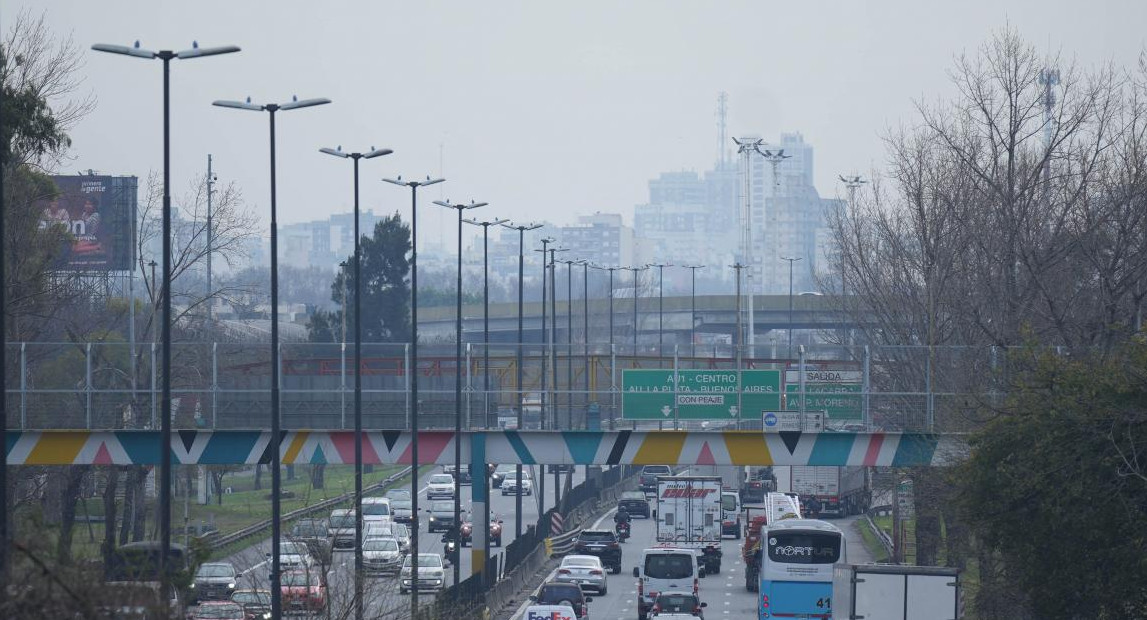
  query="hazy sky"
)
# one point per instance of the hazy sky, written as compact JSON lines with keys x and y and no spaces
{"x":544,"y":109}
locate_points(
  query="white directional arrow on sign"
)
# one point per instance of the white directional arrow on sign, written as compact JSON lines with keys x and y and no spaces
{"x":733,"y":411}
{"x":666,"y":411}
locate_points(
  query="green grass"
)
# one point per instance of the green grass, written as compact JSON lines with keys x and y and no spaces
{"x":872,"y":543}
{"x":243,"y":507}
{"x":885,"y":524}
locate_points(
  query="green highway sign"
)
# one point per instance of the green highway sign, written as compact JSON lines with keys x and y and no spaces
{"x":700,"y":394}
{"x":838,"y":401}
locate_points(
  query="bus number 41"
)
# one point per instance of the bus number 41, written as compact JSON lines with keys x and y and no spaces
{"x":824,"y":603}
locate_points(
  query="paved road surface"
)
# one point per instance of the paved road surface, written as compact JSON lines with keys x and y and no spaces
{"x":382,"y":591}
{"x":724,"y":593}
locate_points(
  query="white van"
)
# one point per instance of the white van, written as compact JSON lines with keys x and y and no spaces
{"x":376,"y":510}
{"x":663,"y":569}
{"x":730,"y":514}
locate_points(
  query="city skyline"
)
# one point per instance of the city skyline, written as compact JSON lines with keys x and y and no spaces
{"x":592,"y":112}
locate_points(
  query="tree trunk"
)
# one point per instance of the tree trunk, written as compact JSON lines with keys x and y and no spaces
{"x":107,"y":548}
{"x":128,"y":504}
{"x":70,"y":495}
{"x":928,"y":495}
{"x":317,"y":472}
{"x":290,"y":472}
{"x":139,"y":515}
{"x":258,"y":477}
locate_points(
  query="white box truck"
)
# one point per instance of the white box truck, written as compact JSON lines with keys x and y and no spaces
{"x":688,"y":515}
{"x":890,"y":592}
{"x":839,"y":491}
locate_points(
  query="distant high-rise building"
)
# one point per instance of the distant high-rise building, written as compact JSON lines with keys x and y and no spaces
{"x":696,"y":218}
{"x":600,"y":238}
{"x":323,"y":243}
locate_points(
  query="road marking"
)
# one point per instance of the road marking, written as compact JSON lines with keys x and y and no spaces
{"x":263,"y":563}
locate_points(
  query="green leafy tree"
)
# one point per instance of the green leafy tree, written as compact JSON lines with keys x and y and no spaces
{"x":385,"y":286}
{"x":1057,"y":489}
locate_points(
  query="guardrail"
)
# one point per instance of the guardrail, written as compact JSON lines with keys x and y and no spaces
{"x":220,"y":541}
{"x":884,"y":539}
{"x":484,"y":604}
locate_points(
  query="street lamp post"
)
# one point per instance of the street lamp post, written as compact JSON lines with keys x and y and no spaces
{"x":480,"y":498}
{"x":660,"y":304}
{"x":342,"y":388}
{"x":554,"y":358}
{"x":636,"y":283}
{"x":585,"y":333}
{"x":358,"y":568}
{"x":693,"y":308}
{"x":546,"y":241}
{"x":486,"y":313}
{"x":611,"y":395}
{"x":521,"y":228}
{"x":276,"y":478}
{"x":413,"y":370}
{"x":165,"y":418}
{"x":569,"y":341}
{"x":460,"y":207}
{"x":791,"y":261}
{"x":738,"y":345}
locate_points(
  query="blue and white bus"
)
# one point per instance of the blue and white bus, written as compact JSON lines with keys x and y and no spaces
{"x":797,"y":561}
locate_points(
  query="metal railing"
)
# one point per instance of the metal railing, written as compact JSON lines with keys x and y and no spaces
{"x":224,"y":386}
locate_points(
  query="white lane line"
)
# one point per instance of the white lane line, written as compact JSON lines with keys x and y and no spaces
{"x":263,"y":563}
{"x":522,"y":610}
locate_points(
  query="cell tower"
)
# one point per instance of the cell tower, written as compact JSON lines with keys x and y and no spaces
{"x":722,"y":134}
{"x":1049,"y":79}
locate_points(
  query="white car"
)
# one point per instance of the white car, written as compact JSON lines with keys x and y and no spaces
{"x":584,"y":570}
{"x":440,"y":486}
{"x":431,"y":575}
{"x":396,"y":531}
{"x":382,"y":555}
{"x":512,"y":485}
{"x":294,"y":556}
{"x":376,"y":510}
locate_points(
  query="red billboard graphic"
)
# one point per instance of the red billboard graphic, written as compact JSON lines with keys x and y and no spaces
{"x":97,"y":213}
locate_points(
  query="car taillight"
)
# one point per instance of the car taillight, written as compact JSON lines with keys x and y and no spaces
{"x":764,"y":605}
{"x":563,"y":572}
{"x":657,"y":608}
{"x":696,"y":586}
{"x":595,"y":572}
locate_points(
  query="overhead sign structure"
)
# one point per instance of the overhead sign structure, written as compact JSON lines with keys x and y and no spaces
{"x":835,"y":392}
{"x":698,"y":394}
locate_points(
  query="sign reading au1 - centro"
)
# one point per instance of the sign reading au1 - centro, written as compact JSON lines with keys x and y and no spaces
{"x":701,"y":394}
{"x":835,"y":392}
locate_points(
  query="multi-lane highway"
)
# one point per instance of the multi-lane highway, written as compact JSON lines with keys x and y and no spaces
{"x":381,"y":591}
{"x":724,"y":593}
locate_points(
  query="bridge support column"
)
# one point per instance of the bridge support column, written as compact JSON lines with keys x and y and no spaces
{"x":480,"y":509}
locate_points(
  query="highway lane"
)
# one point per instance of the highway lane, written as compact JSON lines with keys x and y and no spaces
{"x":381,"y":591}
{"x":724,"y":593}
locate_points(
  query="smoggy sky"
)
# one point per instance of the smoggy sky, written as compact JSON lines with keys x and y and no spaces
{"x":546,"y":110}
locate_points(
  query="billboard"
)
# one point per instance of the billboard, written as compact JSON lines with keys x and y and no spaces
{"x":98,"y":213}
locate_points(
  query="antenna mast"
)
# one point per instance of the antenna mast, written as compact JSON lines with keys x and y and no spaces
{"x":722,"y":134}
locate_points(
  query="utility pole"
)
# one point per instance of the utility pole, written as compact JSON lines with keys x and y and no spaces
{"x":738,"y":344}
{"x":693,"y":308}
{"x":791,"y":261}
{"x":774,"y":159}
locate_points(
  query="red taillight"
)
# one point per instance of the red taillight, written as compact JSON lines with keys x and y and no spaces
{"x":764,"y":601}
{"x":696,"y":586}
{"x":563,"y":572}
{"x":595,"y":572}
{"x":656,"y":608}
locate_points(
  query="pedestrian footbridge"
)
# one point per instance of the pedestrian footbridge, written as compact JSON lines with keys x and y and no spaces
{"x":624,"y":447}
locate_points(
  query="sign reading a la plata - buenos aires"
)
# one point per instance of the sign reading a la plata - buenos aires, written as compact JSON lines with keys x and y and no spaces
{"x":700,"y":394}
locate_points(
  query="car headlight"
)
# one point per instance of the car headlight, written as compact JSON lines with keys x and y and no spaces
{"x":231,"y":586}
{"x":267,"y":615}
{"x":192,"y":586}
{"x":431,"y":517}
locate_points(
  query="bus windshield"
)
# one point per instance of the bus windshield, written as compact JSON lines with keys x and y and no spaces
{"x":804,"y":547}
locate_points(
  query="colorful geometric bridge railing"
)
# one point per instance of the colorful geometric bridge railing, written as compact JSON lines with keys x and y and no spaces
{"x":132,"y":447}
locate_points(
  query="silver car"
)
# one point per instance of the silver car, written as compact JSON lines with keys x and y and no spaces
{"x":381,"y":555}
{"x":397,"y":531}
{"x":431,"y":574}
{"x":584,"y":570}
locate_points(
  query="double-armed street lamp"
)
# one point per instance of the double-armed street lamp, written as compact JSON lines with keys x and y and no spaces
{"x":413,"y":370}
{"x":546,"y":241}
{"x":660,"y":304}
{"x":569,"y":339}
{"x":521,"y":228}
{"x":481,"y":498}
{"x":486,"y":224}
{"x":166,"y":56}
{"x":276,"y":478}
{"x":459,"y":207}
{"x":358,"y":566}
